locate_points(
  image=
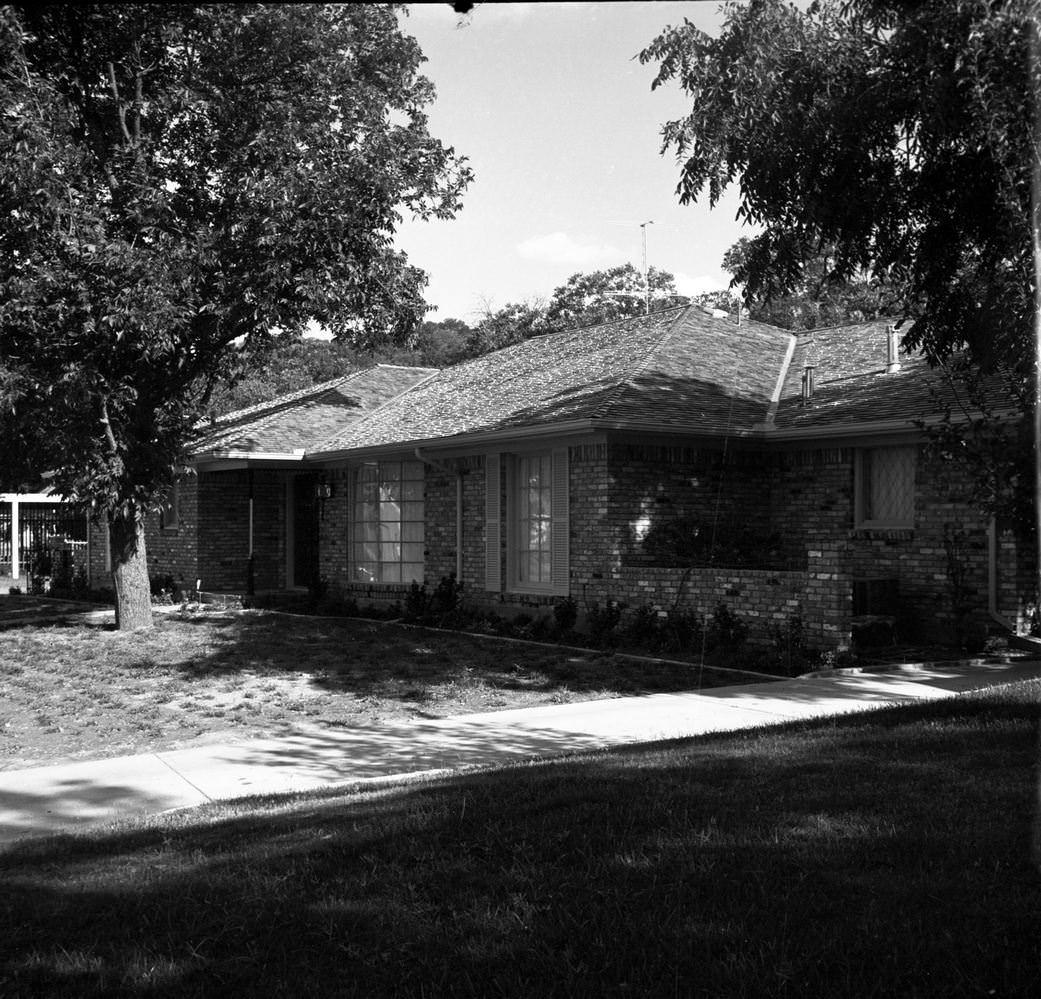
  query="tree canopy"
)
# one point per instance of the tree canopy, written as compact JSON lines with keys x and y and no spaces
{"x":818,"y":298}
{"x":176,"y":180}
{"x":615,"y":293}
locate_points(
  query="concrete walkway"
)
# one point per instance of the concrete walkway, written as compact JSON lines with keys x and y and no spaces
{"x":54,"y":798}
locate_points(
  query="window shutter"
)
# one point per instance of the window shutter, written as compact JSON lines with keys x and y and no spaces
{"x":492,"y":523}
{"x":561,"y":566}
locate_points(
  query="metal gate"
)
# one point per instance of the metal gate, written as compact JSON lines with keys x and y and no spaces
{"x":36,"y":523}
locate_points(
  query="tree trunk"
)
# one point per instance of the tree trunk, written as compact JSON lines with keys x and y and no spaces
{"x":130,"y":573}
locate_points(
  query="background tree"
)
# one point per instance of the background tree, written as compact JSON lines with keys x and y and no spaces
{"x":511,"y":324}
{"x":294,"y":363}
{"x":176,"y":179}
{"x":290,"y":364}
{"x":896,"y":136}
{"x":818,"y":298}
{"x":607,"y":295}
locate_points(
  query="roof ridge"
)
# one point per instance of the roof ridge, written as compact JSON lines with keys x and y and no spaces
{"x":844,"y":326}
{"x":404,"y":367}
{"x":434,"y":372}
{"x":620,"y":386}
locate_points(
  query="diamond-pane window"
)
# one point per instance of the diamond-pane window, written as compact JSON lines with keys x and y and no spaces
{"x":885,"y":492}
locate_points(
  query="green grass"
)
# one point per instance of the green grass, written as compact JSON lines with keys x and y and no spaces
{"x":892,"y":854}
{"x":85,"y":690}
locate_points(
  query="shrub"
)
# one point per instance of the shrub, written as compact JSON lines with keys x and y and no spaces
{"x":726,"y":630}
{"x":565,"y":614}
{"x":603,"y":622}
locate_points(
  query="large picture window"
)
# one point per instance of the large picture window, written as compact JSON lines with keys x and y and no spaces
{"x":885,"y":487}
{"x":387,"y":520}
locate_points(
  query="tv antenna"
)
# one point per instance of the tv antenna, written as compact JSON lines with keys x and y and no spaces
{"x":646,"y":273}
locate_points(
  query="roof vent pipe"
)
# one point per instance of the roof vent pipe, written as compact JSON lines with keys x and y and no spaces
{"x":892,"y":351}
{"x":807,"y":384}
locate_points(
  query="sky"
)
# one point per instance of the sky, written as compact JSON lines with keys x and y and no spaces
{"x":562,"y":131}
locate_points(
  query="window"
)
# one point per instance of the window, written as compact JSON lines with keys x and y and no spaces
{"x":169,"y":515}
{"x":885,"y":487}
{"x":536,"y":525}
{"x":388,"y":523}
{"x":533,"y":540}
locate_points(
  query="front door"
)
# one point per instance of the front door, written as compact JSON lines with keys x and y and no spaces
{"x":303,"y":567}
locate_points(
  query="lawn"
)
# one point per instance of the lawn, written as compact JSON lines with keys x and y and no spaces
{"x":78,"y":691}
{"x":884,"y":855}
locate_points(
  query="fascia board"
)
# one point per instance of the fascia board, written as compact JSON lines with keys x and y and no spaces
{"x":30,"y":498}
{"x":227,"y":460}
{"x":468,"y":442}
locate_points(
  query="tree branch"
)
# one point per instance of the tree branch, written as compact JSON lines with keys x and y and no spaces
{"x":120,"y":110}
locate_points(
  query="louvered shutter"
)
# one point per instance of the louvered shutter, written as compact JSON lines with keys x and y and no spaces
{"x":561,"y":566}
{"x":492,"y":523}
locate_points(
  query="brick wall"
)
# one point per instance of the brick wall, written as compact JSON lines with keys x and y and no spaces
{"x":332,"y":529}
{"x":1017,"y":582}
{"x":175,"y":551}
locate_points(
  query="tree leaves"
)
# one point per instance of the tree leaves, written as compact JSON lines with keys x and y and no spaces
{"x":175,"y":180}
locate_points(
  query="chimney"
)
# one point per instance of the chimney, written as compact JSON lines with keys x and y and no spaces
{"x":807,"y":384}
{"x":892,"y":351}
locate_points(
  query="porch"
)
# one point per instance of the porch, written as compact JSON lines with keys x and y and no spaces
{"x":29,"y":523}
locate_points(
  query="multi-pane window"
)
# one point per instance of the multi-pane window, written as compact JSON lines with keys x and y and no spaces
{"x":885,"y":486}
{"x":388,"y":522}
{"x":533,"y":525}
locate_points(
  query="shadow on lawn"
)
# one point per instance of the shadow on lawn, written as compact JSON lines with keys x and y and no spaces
{"x":409,"y":664}
{"x":763,"y":864}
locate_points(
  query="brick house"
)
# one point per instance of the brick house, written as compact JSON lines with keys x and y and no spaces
{"x":679,"y":460}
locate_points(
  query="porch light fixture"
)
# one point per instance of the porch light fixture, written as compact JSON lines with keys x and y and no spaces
{"x":323,"y":490}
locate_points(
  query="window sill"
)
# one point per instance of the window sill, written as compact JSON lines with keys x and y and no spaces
{"x":882,"y":532}
{"x":536,"y":591}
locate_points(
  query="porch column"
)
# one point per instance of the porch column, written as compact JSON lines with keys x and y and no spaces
{"x":16,"y":569}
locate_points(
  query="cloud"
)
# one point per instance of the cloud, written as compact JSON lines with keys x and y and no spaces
{"x":560,"y":248}
{"x":687,"y":285}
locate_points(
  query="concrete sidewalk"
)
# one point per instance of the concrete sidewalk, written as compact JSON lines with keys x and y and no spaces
{"x":53,"y":798}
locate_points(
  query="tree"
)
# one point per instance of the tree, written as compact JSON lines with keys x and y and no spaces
{"x":511,"y":324}
{"x":583,"y":300}
{"x":603,"y":296}
{"x":818,"y":299}
{"x":438,"y":344}
{"x":896,"y":137}
{"x":176,"y":180}
{"x":290,"y":364}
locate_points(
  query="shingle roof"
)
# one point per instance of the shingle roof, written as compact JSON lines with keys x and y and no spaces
{"x":851,"y":383}
{"x":681,"y":371}
{"x":301,"y":420}
{"x":676,"y":370}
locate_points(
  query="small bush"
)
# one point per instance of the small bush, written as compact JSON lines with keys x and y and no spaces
{"x":603,"y":622}
{"x":565,"y":614}
{"x":726,"y":630}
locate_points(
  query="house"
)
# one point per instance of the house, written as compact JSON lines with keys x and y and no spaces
{"x":679,"y":460}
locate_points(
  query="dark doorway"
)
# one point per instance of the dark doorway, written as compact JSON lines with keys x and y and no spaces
{"x":303,"y":570}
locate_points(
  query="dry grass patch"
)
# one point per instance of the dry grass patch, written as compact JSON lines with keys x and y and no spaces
{"x":85,"y":690}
